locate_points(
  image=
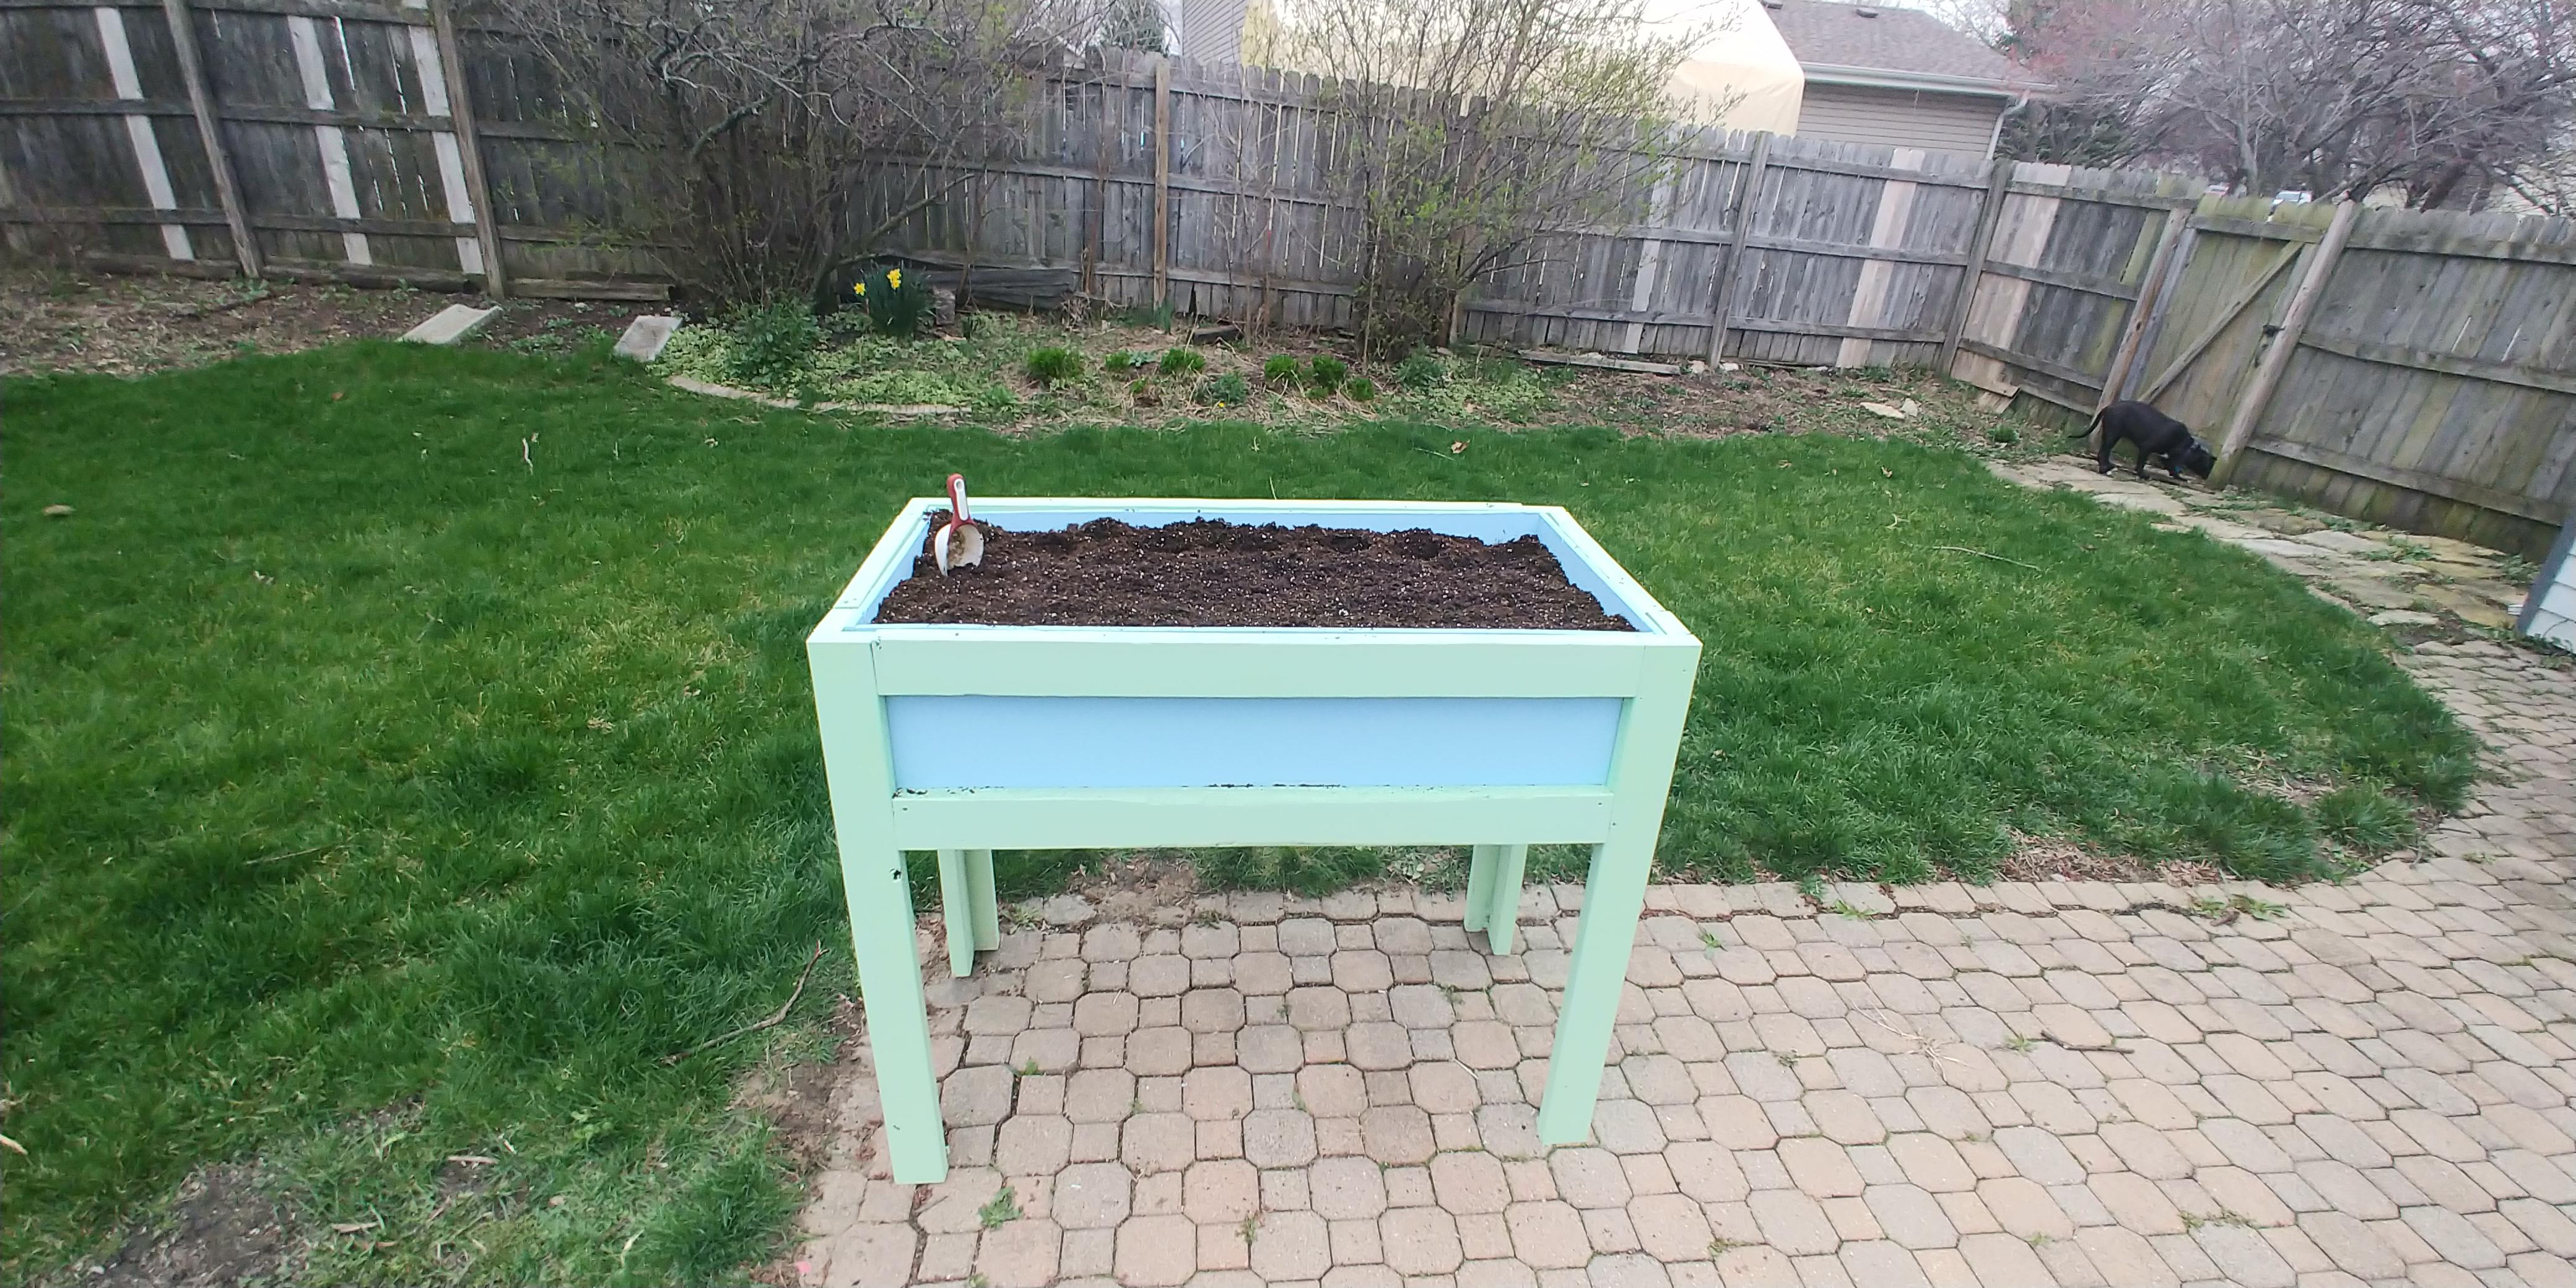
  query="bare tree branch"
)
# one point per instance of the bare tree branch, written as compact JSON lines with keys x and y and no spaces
{"x":2440,"y":102}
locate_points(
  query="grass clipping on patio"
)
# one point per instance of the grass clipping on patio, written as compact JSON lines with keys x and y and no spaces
{"x":409,"y":749}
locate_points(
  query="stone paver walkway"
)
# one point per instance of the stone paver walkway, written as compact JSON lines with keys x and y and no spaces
{"x":2050,"y":1083}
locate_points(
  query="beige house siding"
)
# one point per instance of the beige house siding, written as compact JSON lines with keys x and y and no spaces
{"x":1905,"y":118}
{"x":1211,"y":31}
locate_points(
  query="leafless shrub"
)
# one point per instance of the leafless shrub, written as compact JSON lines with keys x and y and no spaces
{"x":1464,"y":131}
{"x":758,"y":144}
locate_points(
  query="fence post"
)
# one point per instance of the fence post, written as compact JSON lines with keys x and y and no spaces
{"x":469,"y":142}
{"x":2150,"y":305}
{"x":2276,"y":359}
{"x":1095,"y":215}
{"x":1162,"y":181}
{"x":1735,"y":251}
{"x":183,"y":36}
{"x":1998,"y":184}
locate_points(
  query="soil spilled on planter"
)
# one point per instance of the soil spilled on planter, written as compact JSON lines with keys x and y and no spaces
{"x":1208,"y":572}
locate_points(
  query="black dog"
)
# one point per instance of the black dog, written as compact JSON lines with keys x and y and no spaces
{"x":2155,"y":434}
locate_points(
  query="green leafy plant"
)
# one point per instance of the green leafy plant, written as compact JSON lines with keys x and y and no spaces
{"x":1182,"y":362}
{"x":894,"y":306}
{"x":1280,"y":370}
{"x":2227,"y":910}
{"x":1052,"y":366}
{"x":1001,"y":1210}
{"x":2005,"y":435}
{"x":1421,"y":370}
{"x":1228,"y":390}
{"x":1143,"y":392}
{"x":1328,"y":371}
{"x":1121,"y":361}
{"x":771,"y":343}
{"x":1361,"y":389}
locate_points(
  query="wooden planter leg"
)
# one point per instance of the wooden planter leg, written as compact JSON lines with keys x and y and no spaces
{"x":1480,"y":884}
{"x":1612,"y":898}
{"x":880,"y":897}
{"x":957,"y":909}
{"x":1503,"y":907}
{"x":1641,"y":771}
{"x":967,"y":907}
{"x":988,"y":911}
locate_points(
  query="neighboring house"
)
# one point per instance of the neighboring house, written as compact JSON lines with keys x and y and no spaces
{"x":1895,"y":77}
{"x":1207,"y":31}
{"x":1852,"y":73}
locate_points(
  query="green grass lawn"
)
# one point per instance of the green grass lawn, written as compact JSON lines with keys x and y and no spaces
{"x":408,"y":749}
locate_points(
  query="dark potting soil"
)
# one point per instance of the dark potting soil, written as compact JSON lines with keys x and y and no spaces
{"x":1208,"y":572}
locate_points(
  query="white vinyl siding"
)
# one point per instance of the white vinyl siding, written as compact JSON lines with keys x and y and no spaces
{"x":1905,"y":118}
{"x":2551,"y":613}
{"x":1211,"y":30}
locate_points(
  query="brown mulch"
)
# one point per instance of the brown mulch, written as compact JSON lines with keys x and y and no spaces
{"x":132,"y":324}
{"x":1208,"y":572}
{"x":127,"y":325}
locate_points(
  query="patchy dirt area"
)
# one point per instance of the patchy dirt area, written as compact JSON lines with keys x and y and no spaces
{"x":224,"y":1231}
{"x":124,"y":325}
{"x":2054,"y":858}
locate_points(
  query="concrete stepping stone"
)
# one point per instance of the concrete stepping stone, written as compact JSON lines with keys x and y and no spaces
{"x":713,"y":390}
{"x":891,"y":409}
{"x":453,"y":323}
{"x":645,"y":337}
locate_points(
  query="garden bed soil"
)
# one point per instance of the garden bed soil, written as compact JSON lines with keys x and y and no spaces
{"x":1208,"y":572}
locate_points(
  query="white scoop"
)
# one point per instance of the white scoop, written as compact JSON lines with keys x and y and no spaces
{"x":958,"y":543}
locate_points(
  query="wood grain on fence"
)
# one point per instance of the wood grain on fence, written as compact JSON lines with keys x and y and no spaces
{"x":2434,"y":387}
{"x":297,"y":138}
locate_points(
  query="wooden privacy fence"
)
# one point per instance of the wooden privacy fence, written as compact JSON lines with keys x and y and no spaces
{"x":303,"y":139}
{"x":2407,"y":368}
{"x":2416,"y":369}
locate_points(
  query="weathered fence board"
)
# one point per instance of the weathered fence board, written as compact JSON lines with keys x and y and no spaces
{"x":2434,"y":391}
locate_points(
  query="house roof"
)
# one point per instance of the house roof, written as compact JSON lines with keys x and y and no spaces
{"x":1864,"y":43}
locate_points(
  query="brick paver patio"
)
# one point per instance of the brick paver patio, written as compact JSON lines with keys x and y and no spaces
{"x":2053,"y":1083}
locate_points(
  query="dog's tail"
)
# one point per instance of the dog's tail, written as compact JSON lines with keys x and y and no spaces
{"x":2089,"y":427}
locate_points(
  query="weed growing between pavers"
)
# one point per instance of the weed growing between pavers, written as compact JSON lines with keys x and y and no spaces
{"x":409,"y":749}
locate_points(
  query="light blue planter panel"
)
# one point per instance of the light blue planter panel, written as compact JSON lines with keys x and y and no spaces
{"x":954,"y":742}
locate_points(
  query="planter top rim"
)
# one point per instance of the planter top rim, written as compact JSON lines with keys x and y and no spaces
{"x":1583,"y":560}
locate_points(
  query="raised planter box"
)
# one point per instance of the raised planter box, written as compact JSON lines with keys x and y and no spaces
{"x":967,"y":739}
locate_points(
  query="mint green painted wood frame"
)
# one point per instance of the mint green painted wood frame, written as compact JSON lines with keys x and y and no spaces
{"x":857,"y":664}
